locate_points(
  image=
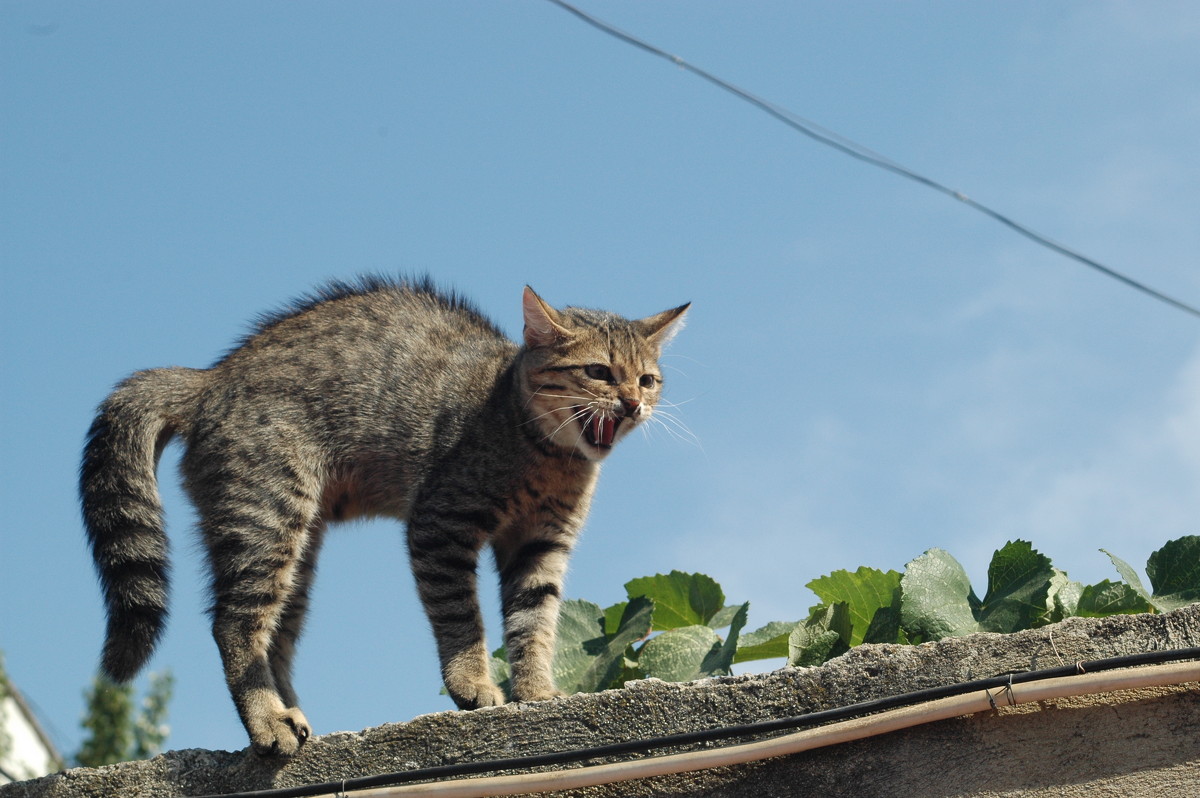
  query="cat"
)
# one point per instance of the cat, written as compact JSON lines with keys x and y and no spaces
{"x":378,"y":397}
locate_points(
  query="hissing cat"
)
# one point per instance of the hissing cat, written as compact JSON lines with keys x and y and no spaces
{"x":378,"y":398}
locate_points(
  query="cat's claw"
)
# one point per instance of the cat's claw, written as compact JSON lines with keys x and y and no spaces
{"x":281,"y":734}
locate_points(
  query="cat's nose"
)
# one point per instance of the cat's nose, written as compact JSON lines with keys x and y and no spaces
{"x":630,"y":406}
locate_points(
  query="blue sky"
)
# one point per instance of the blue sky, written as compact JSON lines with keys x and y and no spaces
{"x":870,"y":369}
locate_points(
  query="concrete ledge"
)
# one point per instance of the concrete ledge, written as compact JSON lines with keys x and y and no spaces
{"x":1134,"y":743}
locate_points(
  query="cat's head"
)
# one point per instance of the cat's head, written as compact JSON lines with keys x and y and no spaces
{"x":591,"y":376}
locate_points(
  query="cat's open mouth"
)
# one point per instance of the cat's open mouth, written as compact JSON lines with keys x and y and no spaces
{"x":600,"y":430}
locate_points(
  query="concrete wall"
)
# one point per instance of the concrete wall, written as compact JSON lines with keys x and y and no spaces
{"x":1136,"y":743}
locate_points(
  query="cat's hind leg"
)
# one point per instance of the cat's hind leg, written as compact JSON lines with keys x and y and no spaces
{"x":291,"y":623}
{"x":258,"y":517}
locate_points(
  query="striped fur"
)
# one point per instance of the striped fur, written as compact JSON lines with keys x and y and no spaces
{"x":376,"y":398}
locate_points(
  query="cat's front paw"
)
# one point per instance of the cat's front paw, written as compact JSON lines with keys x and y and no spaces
{"x":279,"y":733}
{"x":474,"y":696}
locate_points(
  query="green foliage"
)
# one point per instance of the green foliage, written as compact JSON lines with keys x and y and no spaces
{"x":115,"y":732}
{"x":679,"y":655}
{"x":938,"y":600}
{"x":1018,"y":589}
{"x":871,"y":597}
{"x":1062,"y":600}
{"x":1110,"y":598}
{"x":823,"y":636}
{"x":670,"y":626}
{"x":768,"y":642}
{"x":107,"y":722}
{"x":1174,"y":572}
{"x":679,"y":599}
{"x":588,"y":657}
{"x":150,"y":728}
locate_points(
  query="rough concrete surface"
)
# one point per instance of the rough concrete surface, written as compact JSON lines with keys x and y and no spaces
{"x":1134,"y":743}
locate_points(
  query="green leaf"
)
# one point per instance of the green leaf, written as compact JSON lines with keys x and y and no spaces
{"x":628,"y":672}
{"x":635,"y":622}
{"x":1130,"y":576}
{"x":1110,"y":598}
{"x":680,"y":599}
{"x":767,"y":642}
{"x":679,"y":655}
{"x":719,"y":659}
{"x":586,"y":659}
{"x":725,"y":616}
{"x":500,"y":670}
{"x":864,"y":592}
{"x":936,"y":598}
{"x":809,"y":650}
{"x":821,"y":637}
{"x":612,"y":617}
{"x":1063,"y":598}
{"x":1018,"y":586}
{"x":885,"y":624}
{"x":1174,"y":572}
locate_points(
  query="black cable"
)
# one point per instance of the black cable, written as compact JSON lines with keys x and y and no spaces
{"x":710,"y":735}
{"x":862,"y":153}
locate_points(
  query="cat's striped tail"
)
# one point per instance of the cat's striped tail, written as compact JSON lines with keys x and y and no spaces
{"x":122,"y":512}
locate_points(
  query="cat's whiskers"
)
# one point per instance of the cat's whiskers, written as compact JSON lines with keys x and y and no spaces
{"x":577,"y":415}
{"x":551,"y":412}
{"x":541,"y":391}
{"x":674,"y":427}
{"x":665,"y":403}
{"x":676,"y":356}
{"x":580,"y":408}
{"x":567,"y":396}
{"x":540,"y":416}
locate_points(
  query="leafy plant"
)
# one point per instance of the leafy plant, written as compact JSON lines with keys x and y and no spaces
{"x":937,"y":599}
{"x":1174,"y":572}
{"x":670,"y":626}
{"x":115,"y":732}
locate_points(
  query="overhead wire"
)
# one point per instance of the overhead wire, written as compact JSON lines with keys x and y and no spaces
{"x":858,"y":151}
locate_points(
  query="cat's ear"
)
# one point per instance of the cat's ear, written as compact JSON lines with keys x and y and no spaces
{"x":543,"y":325}
{"x":662,"y":327}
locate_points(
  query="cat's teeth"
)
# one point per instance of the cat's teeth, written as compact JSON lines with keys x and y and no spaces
{"x":601,"y":430}
{"x":605,"y":430}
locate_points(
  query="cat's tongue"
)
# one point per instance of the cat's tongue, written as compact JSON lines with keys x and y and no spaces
{"x":603,"y":430}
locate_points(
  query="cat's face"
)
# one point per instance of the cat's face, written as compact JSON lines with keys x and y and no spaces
{"x":592,"y":376}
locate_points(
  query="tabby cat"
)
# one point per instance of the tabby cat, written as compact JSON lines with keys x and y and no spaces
{"x":377,"y":398}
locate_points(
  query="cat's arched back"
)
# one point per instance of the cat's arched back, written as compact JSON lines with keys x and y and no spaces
{"x":375,"y":398}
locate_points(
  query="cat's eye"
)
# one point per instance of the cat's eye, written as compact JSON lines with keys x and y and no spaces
{"x":648,"y":381}
{"x":598,"y":371}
